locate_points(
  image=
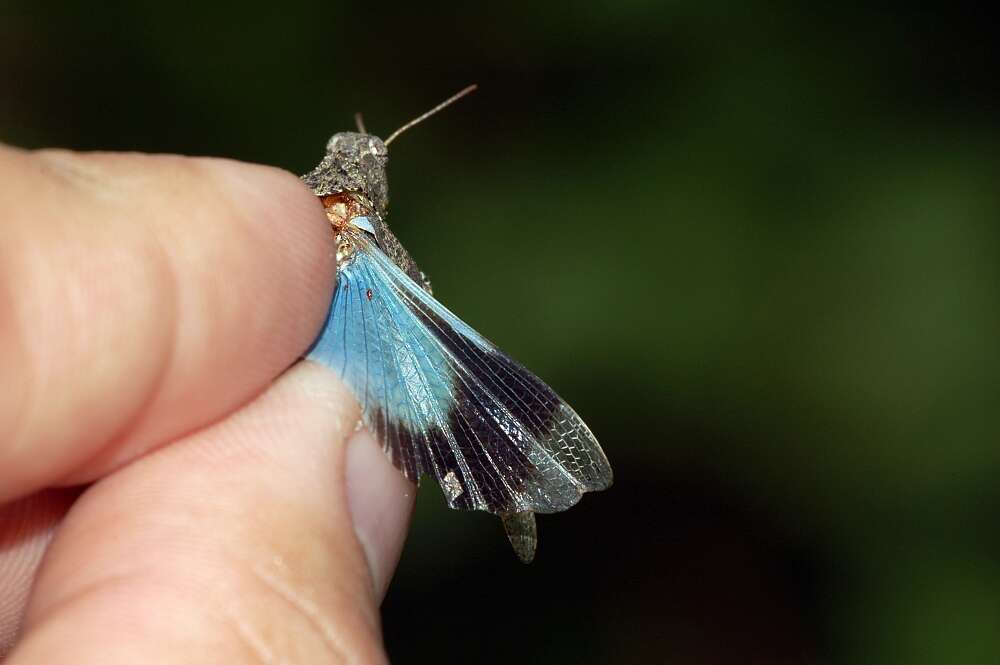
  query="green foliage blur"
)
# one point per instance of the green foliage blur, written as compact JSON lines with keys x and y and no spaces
{"x":755,"y":245}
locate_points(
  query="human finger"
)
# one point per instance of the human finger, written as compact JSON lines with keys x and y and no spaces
{"x":143,"y":297}
{"x":236,"y":544}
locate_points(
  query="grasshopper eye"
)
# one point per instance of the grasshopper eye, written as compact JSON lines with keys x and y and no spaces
{"x":377,"y":148}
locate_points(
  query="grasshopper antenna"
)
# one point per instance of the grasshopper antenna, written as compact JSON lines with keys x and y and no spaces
{"x":448,"y":102}
{"x":360,"y":122}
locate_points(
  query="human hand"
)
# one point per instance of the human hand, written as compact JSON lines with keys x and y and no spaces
{"x":146,"y":305}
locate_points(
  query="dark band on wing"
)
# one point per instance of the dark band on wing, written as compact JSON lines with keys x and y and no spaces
{"x":500,"y":413}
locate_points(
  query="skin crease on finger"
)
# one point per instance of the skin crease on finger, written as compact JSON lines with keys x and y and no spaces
{"x":26,"y":528}
{"x":141,"y":298}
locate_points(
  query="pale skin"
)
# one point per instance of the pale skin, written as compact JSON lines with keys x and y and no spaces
{"x":174,"y":487}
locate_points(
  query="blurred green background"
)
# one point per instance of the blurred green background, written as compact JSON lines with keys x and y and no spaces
{"x":756,"y":246}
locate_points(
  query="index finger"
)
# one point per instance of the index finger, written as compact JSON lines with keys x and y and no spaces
{"x":143,"y":297}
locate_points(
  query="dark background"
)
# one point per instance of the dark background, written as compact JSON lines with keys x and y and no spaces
{"x":755,"y":246}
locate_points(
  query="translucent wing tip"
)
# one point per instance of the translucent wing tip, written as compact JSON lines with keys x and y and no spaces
{"x":522,"y":533}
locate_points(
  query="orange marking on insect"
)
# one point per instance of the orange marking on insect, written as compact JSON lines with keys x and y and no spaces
{"x":368,"y":294}
{"x":341,"y":208}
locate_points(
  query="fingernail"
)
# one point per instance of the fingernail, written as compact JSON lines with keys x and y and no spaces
{"x":381,"y":502}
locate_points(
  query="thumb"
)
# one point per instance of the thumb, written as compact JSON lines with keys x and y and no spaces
{"x":268,"y":537}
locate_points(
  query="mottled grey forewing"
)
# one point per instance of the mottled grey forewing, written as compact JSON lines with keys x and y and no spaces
{"x":445,"y":401}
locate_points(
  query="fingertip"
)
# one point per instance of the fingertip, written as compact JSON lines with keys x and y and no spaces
{"x":289,"y":231}
{"x":253,"y":271}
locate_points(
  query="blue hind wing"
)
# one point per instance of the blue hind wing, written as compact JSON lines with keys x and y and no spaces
{"x":445,"y":401}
